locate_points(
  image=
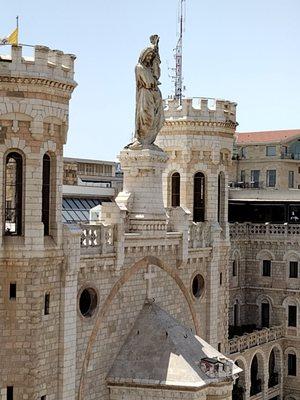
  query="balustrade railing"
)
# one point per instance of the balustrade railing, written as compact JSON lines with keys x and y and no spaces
{"x":249,"y":229}
{"x":98,"y":237}
{"x":256,"y":338}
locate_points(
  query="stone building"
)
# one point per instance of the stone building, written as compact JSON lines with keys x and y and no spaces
{"x":138,"y":304}
{"x":125,"y":307}
{"x":264,"y":311}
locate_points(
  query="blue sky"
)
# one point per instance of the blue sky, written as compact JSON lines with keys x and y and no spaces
{"x":240,"y":50}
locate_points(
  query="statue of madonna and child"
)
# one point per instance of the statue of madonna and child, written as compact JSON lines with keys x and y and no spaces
{"x":149,"y":113}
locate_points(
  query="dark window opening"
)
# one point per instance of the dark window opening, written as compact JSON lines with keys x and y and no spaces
{"x":293,"y":269}
{"x":46,"y":194}
{"x":199,"y":197}
{"x":273,"y":375}
{"x":266,"y":268}
{"x":43,"y":397}
{"x":10,"y":393}
{"x":47,"y":304}
{"x":13,"y":194}
{"x":219,"y":347}
{"x":88,"y":302}
{"x":292,"y":316}
{"x":175,"y":189}
{"x":234,"y":268}
{"x":265,"y":315}
{"x":256,"y":385}
{"x":221,"y":278}
{"x":271,"y":177}
{"x":198,"y":286}
{"x":235,"y":314}
{"x":292,"y":364}
{"x":12,"y":291}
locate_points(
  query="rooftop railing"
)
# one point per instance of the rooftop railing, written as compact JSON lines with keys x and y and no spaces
{"x":257,"y":338}
{"x":238,"y":230}
{"x":98,"y":237}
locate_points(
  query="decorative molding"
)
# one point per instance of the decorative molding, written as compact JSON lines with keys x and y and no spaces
{"x":38,"y":81}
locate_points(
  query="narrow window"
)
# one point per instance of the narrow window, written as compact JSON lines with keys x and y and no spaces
{"x":292,"y":364}
{"x":47,"y":304}
{"x":292,"y":316}
{"x":243,"y":176}
{"x":266,"y":267}
{"x":291,"y":179}
{"x":13,"y":194}
{"x":255,"y":174}
{"x":199,"y":197}
{"x":12,"y":291}
{"x":10,"y":393}
{"x":271,"y":177}
{"x":221,"y":278}
{"x":219,"y":347}
{"x":243,"y":152}
{"x":234,"y":268}
{"x":43,"y":397}
{"x":265,"y":315}
{"x":293,"y":269}
{"x":221,"y":198}
{"x":46,"y":194}
{"x":175,"y":190}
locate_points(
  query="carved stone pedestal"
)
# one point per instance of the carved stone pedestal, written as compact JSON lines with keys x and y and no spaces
{"x":142,"y":189}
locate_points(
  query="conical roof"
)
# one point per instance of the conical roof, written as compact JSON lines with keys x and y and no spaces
{"x":161,"y":351}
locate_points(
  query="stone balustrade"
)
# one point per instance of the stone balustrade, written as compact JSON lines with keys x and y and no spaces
{"x":256,"y":338}
{"x":238,"y":230}
{"x":97,"y":238}
{"x":199,"y":235}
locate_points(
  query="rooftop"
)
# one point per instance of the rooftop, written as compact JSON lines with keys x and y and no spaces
{"x":262,"y":137}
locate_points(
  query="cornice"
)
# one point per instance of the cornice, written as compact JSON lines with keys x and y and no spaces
{"x":51,"y":83}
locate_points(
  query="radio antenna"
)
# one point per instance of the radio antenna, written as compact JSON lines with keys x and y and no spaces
{"x":178,"y":78}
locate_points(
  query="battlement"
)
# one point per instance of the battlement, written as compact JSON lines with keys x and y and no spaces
{"x":201,"y":109}
{"x":46,"y":63}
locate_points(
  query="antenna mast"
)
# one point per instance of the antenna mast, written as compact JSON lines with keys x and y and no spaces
{"x":178,"y":78}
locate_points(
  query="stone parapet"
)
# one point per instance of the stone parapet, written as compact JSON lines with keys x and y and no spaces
{"x":257,"y":338}
{"x":46,"y":64}
{"x":239,"y":231}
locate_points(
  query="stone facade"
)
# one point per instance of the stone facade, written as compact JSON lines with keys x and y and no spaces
{"x":69,"y":295}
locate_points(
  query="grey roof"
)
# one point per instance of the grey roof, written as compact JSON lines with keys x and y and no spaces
{"x":161,"y":351}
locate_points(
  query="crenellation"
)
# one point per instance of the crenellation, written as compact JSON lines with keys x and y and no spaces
{"x":46,"y":63}
{"x":197,"y":109}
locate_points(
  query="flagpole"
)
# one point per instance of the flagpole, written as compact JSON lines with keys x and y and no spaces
{"x":17,"y":29}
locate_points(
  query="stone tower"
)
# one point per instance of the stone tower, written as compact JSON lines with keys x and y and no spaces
{"x":198,"y":140}
{"x":34,"y":106}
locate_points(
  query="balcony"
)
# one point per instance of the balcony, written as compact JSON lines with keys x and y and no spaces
{"x":249,"y":230}
{"x":290,"y":156}
{"x":256,"y":338}
{"x":247,"y":185}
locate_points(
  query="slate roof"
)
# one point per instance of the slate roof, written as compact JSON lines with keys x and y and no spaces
{"x":161,"y":351}
{"x":267,"y":136}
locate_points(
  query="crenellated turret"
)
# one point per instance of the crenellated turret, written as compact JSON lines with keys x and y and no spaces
{"x":34,"y":109}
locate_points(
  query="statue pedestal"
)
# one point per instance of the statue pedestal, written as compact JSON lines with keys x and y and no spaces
{"x":142,"y":189}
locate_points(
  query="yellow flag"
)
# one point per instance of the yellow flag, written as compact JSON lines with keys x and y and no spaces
{"x":13,"y":37}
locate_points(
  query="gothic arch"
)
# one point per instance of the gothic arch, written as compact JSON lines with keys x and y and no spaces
{"x":113,"y":292}
{"x":262,"y":253}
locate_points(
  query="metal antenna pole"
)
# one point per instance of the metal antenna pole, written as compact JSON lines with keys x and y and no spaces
{"x":178,"y":54}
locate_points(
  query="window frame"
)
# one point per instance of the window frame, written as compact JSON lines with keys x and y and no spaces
{"x":292,"y":318}
{"x":270,"y":149}
{"x":296,"y":269}
{"x":269,"y":178}
{"x":291,"y":364}
{"x":267,"y":268}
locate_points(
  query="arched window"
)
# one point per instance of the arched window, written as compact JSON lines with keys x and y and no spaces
{"x":221,"y":198}
{"x":46,"y":194}
{"x":175,"y":190}
{"x":13,"y":194}
{"x":199,"y":197}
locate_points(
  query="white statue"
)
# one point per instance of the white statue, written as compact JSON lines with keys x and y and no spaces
{"x":149,"y":114}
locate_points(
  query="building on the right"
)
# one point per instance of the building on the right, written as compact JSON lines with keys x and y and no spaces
{"x":264,"y":270}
